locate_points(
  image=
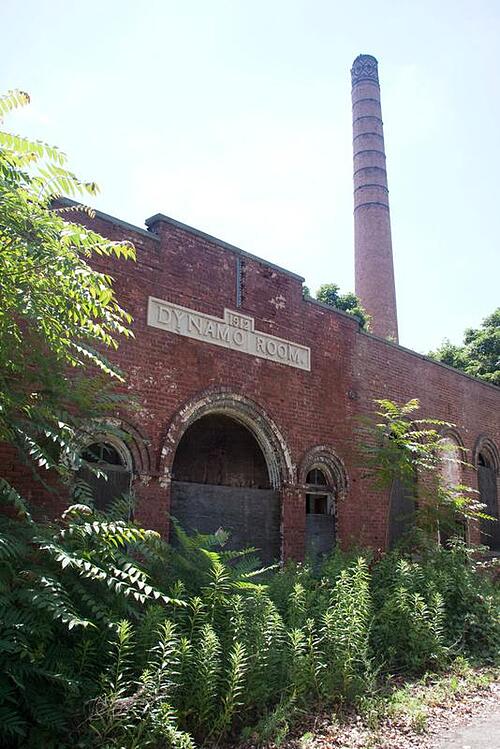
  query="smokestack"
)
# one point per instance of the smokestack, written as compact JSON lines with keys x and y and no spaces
{"x":374,"y":270}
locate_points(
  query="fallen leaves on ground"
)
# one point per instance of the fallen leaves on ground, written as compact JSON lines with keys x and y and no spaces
{"x":423,"y":718}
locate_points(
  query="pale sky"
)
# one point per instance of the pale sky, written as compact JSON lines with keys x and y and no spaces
{"x":235,"y":117}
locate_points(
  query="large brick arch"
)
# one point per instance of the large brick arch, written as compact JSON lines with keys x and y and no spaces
{"x":244,"y":411}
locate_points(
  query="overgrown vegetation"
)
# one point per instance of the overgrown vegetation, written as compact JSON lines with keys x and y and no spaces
{"x":397,"y":447}
{"x":113,"y":638}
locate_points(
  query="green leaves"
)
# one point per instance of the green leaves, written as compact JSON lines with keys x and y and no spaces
{"x":13,"y":100}
{"x":329,"y":293}
{"x":57,"y":314}
{"x":235,"y":684}
{"x":395,"y":447}
{"x":64,"y":586}
{"x":479,"y":355}
{"x":409,"y":625}
{"x":86,"y":662}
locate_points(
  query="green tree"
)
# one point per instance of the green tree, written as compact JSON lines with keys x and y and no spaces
{"x":479,"y":355}
{"x":57,"y":313}
{"x":329,"y":293}
{"x":63,"y":585}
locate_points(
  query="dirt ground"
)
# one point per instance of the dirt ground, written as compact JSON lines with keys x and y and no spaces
{"x":437,"y":720}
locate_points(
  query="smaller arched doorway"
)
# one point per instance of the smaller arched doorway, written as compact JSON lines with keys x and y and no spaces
{"x":320,"y":513}
{"x":487,"y":485}
{"x":402,"y":510}
{"x":451,"y":524}
{"x":220,"y":479}
{"x":324,"y":480}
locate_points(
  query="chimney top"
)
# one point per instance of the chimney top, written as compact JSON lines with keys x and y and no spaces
{"x":364,"y":68}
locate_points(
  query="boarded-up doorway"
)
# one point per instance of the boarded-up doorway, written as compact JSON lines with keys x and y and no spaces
{"x":487,"y":485}
{"x":220,"y":479}
{"x":320,"y":514}
{"x":401,"y":512}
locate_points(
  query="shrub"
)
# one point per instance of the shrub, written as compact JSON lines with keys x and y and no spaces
{"x":116,"y":638}
{"x":408,"y":624}
{"x":64,"y":587}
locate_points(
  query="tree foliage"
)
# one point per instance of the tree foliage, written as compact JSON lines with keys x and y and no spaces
{"x":479,"y":355}
{"x":396,"y":447}
{"x":111,"y":637}
{"x":329,"y":293}
{"x":65,"y":587}
{"x":57,"y":313}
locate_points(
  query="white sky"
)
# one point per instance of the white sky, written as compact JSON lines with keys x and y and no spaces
{"x":235,"y":117}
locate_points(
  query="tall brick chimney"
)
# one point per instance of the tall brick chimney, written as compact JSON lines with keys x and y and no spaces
{"x":374,"y":270}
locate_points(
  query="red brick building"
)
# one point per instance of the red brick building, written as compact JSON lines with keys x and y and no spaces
{"x":249,"y":394}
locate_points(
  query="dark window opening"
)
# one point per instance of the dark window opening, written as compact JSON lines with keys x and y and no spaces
{"x":317,"y":504}
{"x":117,"y":479}
{"x":316,"y":477}
{"x":103,"y":453}
{"x":487,"y":485}
{"x":219,"y":451}
{"x":319,"y":496}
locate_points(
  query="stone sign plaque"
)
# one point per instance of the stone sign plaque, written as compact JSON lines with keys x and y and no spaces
{"x":235,"y":331}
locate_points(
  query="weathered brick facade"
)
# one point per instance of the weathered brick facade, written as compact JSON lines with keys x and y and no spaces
{"x":300,"y":418}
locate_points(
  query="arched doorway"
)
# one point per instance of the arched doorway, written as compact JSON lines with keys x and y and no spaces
{"x":324,"y":479}
{"x":220,"y":479}
{"x":487,"y":485}
{"x":320,"y":513}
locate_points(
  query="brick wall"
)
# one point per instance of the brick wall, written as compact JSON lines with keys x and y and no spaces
{"x":170,"y":376}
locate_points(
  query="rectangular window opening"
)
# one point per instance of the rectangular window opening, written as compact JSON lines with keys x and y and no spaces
{"x":316,"y":504}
